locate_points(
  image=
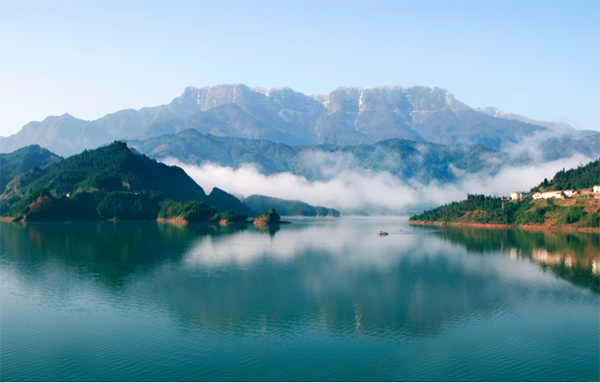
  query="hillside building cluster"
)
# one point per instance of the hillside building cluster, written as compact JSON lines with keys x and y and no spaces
{"x":559,"y":194}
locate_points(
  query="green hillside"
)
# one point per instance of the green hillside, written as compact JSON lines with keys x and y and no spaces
{"x":577,"y":212}
{"x":289,"y":208}
{"x":480,"y":209}
{"x":23,"y":160}
{"x":109,"y":182}
{"x":114,"y":168}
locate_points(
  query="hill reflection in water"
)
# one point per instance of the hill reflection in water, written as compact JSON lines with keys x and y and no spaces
{"x":333,"y":273}
{"x":572,"y":256}
{"x":336,"y":276}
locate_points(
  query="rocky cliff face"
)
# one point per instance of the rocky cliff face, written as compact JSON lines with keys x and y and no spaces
{"x":374,"y":114}
{"x":345,"y":116}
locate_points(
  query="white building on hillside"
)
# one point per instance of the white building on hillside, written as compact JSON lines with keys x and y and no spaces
{"x":596,"y":189}
{"x":552,"y":194}
{"x":516,"y":195}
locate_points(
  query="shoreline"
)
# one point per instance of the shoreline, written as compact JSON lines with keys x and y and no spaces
{"x":173,"y":221}
{"x":160,"y":220}
{"x":260,"y":223}
{"x":222,"y":222}
{"x":507,"y":226}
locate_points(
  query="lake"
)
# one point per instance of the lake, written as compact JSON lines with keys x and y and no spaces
{"x":320,"y":299}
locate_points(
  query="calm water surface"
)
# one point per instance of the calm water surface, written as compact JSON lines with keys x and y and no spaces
{"x":316,"y":300}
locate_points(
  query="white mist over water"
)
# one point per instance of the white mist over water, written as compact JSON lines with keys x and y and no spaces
{"x":365,"y":189}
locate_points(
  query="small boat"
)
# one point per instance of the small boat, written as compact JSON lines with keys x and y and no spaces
{"x":382,"y":233}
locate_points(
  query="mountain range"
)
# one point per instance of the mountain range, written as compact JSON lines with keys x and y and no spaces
{"x":405,"y":159}
{"x":346,"y":116}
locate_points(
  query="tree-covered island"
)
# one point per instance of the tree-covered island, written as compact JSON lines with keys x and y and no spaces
{"x":267,"y":218}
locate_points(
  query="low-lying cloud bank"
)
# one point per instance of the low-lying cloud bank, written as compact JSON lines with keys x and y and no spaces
{"x":376,"y":192}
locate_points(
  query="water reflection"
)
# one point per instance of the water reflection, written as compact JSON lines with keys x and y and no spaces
{"x":269,"y":229}
{"x":572,"y":256}
{"x":110,"y":251}
{"x":337,"y":275}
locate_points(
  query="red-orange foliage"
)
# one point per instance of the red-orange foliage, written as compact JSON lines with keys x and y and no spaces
{"x":43,"y":202}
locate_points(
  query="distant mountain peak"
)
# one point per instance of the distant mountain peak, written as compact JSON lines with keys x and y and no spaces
{"x":64,"y":116}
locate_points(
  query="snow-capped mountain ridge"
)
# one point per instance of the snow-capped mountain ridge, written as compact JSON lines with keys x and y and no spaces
{"x":345,"y":116}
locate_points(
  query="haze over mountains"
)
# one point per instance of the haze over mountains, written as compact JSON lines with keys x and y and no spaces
{"x":404,"y":159}
{"x":346,"y":116}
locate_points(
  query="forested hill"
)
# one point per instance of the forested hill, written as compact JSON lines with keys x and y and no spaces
{"x":577,"y":212}
{"x":479,"y":209}
{"x":583,"y":177}
{"x":23,"y":160}
{"x":109,"y":182}
{"x":114,"y":168}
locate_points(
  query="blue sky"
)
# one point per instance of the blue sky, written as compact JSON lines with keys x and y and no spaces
{"x":539,"y":59}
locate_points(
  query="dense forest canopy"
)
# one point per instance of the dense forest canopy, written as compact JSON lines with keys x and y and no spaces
{"x":582,"y":177}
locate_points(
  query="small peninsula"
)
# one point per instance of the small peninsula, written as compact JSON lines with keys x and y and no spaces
{"x":570,"y":201}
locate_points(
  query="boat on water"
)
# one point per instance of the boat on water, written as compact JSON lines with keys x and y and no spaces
{"x":382,"y":233}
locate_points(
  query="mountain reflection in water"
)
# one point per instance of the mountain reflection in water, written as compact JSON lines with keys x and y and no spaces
{"x":333,"y":275}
